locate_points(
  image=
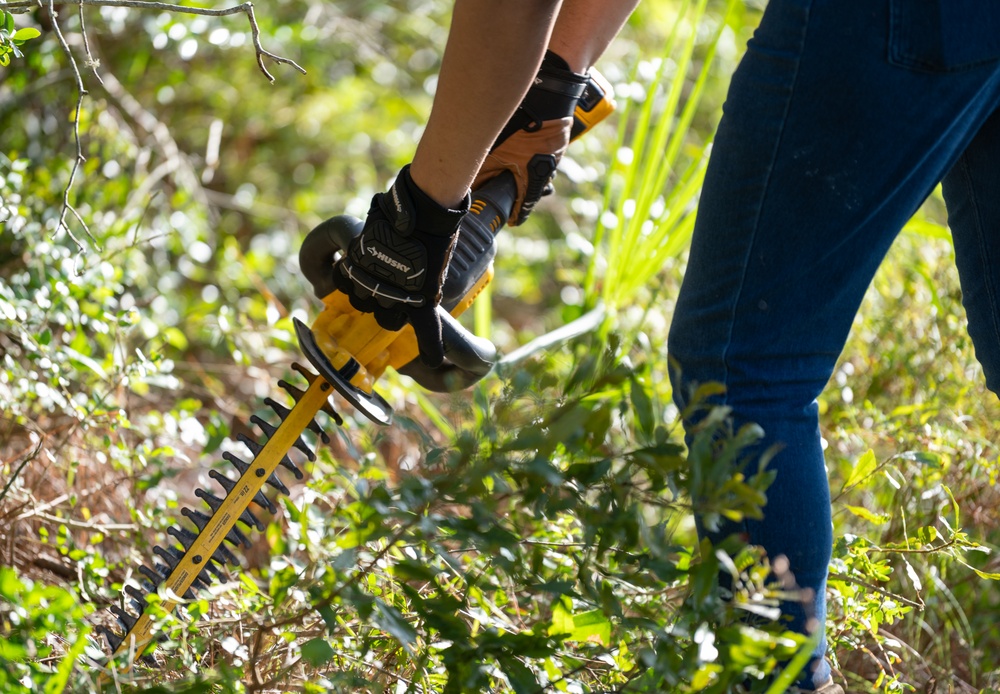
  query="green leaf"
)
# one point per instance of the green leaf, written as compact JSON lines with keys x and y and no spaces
{"x":10,"y":585}
{"x":249,"y":584}
{"x":58,"y":682}
{"x":317,"y":652}
{"x":329,"y":617}
{"x":870,"y":516}
{"x":391,"y":620}
{"x":562,"y":618}
{"x":409,"y":570}
{"x":522,"y":680}
{"x":591,"y":625}
{"x":175,"y":338}
{"x":25,"y":33}
{"x":706,"y":675}
{"x":862,"y":469}
{"x":86,"y":361}
{"x":642,"y":406}
{"x":8,"y":21}
{"x":11,"y":652}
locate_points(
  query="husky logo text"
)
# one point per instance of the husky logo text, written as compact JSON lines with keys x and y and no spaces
{"x":392,"y":262}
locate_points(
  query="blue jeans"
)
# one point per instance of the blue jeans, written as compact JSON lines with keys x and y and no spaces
{"x":840,"y":120}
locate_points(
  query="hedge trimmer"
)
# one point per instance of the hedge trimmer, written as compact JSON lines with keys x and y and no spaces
{"x":349,"y":353}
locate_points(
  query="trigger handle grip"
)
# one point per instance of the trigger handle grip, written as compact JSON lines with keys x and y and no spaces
{"x":467,"y":359}
{"x":320,"y":248}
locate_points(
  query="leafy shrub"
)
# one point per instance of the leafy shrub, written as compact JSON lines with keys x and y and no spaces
{"x":533,"y":535}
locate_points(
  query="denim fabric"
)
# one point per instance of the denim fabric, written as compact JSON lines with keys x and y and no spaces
{"x":840,"y":120}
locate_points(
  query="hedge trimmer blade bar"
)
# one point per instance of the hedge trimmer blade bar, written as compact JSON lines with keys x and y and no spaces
{"x":200,"y":552}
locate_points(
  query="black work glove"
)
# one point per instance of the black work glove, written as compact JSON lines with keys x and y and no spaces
{"x":536,"y":136}
{"x":396,"y":267}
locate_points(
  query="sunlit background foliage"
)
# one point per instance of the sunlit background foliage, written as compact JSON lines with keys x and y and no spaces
{"x":534,"y":536}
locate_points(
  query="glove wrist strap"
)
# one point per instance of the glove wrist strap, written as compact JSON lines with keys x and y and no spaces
{"x":411,"y":209}
{"x":553,"y":95}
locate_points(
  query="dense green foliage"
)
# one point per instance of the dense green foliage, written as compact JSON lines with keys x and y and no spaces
{"x":531,"y":535}
{"x":11,"y":38}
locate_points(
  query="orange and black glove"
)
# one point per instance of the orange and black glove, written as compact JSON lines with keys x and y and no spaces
{"x":536,"y":136}
{"x":395,"y":268}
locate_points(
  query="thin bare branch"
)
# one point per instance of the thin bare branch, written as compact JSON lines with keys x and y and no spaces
{"x":244,"y":8}
{"x":92,"y":63}
{"x":881,"y":591}
{"x":27,"y":459}
{"x":67,"y":207}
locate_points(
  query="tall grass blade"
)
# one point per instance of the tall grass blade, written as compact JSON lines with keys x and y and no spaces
{"x":651,"y":193}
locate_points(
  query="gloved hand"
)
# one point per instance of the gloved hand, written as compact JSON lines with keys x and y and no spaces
{"x":536,"y":136}
{"x":395,"y":268}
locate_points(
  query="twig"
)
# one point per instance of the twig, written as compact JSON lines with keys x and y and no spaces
{"x":103,"y":528}
{"x":919,"y":550}
{"x":245,"y":8}
{"x":25,"y":5}
{"x":175,"y":161}
{"x":871,"y":586}
{"x":28,"y":458}
{"x":55,"y":566}
{"x":81,"y":92}
{"x":92,"y":62}
{"x":390,"y":542}
{"x":65,"y":497}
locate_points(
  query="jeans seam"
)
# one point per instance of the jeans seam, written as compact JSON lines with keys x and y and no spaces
{"x":983,"y":246}
{"x":899,"y":55}
{"x":760,"y":206}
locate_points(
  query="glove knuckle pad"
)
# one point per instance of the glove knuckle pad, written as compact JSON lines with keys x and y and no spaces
{"x":385,"y":255}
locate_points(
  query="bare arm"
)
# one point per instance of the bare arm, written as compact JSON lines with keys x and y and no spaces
{"x":494,"y":49}
{"x":585,"y":28}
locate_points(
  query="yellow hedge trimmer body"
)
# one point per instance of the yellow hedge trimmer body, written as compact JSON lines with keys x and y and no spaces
{"x":350,"y":352}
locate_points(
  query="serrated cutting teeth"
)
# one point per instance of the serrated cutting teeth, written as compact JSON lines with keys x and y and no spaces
{"x":171,"y":556}
{"x":138,"y":597}
{"x":283,"y":412}
{"x":221,"y":555}
{"x":310,"y":376}
{"x":235,"y":536}
{"x":214,"y":502}
{"x":243,"y":466}
{"x":157,"y":576}
{"x":113,"y":639}
{"x":191,"y":563}
{"x":296,"y":393}
{"x":228,"y":485}
{"x":255,"y":448}
{"x":269,"y":430}
{"x":124,"y":618}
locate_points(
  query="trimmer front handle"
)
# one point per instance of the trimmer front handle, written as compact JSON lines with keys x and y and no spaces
{"x":352,"y":339}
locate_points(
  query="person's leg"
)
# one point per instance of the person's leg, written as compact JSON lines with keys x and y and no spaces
{"x":824,"y":151}
{"x":972,"y":194}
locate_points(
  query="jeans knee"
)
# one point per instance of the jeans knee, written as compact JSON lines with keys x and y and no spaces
{"x":687,"y":365}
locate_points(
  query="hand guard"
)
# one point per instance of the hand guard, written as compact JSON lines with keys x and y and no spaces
{"x":395,"y":268}
{"x":534,"y":140}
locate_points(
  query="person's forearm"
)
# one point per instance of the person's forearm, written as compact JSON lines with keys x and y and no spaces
{"x":586,"y":27}
{"x":494,"y":49}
